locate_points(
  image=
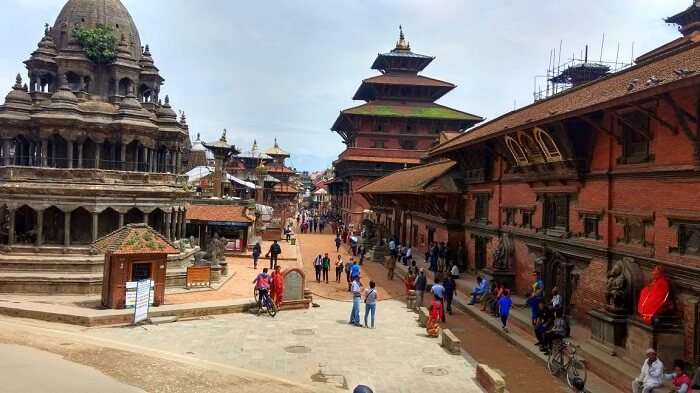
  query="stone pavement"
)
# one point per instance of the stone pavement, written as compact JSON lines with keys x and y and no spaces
{"x":316,"y":346}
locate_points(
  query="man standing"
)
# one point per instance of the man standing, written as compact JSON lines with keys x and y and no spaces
{"x":337,"y":243}
{"x":355,"y":313}
{"x":439,"y":292}
{"x":318,"y":265}
{"x":391,"y":265}
{"x":409,"y":255}
{"x":651,"y":374}
{"x":393,"y":252}
{"x":274,"y":251}
{"x":257,"y":250}
{"x":326,"y":266}
{"x":420,"y":284}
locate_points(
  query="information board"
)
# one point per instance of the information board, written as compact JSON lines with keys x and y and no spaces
{"x":143,"y":295}
{"x":130,"y":297}
{"x":198,"y":276}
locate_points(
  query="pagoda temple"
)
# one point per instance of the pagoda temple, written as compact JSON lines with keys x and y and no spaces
{"x":396,"y":125}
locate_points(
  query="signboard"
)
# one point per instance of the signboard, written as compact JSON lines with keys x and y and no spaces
{"x":143,"y":296}
{"x":130,"y":297}
{"x":293,"y":285}
{"x":198,"y":276}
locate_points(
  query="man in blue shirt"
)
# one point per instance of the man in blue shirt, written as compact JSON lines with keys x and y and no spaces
{"x":355,"y":313}
{"x":481,"y":289}
{"x":439,"y":292}
{"x":355,"y":271}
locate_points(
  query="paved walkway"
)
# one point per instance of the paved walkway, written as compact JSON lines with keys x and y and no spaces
{"x":316,"y":346}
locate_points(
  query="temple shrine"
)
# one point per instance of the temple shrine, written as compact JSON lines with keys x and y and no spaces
{"x":396,"y":125}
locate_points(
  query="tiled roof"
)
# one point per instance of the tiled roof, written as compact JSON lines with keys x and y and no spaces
{"x":284,"y":189}
{"x":227,"y":213}
{"x":412,"y":180}
{"x":390,"y":160}
{"x":135,"y":239}
{"x":643,"y":79}
{"x":421,"y":110}
{"x":364,"y":92}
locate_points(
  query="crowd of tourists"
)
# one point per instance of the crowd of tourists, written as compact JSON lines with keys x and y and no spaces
{"x":311,"y":221}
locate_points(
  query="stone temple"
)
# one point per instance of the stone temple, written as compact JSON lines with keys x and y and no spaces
{"x":87,"y":146}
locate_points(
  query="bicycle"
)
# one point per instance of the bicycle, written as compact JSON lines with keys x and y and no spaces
{"x":265,"y":301}
{"x":563,"y":357}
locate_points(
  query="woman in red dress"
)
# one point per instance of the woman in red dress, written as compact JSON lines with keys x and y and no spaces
{"x":277,"y":287}
{"x":436,"y":313}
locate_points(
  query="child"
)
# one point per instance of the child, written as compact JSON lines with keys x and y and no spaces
{"x":504,"y":305}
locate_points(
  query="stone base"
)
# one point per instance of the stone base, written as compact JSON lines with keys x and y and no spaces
{"x":295,"y":304}
{"x":667,"y":340}
{"x":411,"y":300}
{"x":504,"y":277}
{"x":609,"y":331}
{"x":490,"y":380}
{"x":450,"y":342}
{"x":378,"y":253}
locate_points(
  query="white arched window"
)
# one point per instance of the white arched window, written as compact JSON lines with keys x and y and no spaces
{"x":546,"y":142}
{"x":517,"y":151}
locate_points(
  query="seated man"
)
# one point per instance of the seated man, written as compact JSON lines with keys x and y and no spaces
{"x":556,"y":333}
{"x":650,"y":375}
{"x":481,"y":289}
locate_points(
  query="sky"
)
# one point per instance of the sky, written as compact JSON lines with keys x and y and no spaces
{"x":284,"y":69}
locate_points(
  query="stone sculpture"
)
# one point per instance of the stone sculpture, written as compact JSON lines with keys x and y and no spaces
{"x":503,"y":253}
{"x":617,"y":288}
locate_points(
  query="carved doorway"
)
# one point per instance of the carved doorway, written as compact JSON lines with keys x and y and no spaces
{"x":480,"y":250}
{"x":556,"y":271}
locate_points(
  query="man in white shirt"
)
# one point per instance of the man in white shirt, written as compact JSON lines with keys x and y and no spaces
{"x":409,"y":255}
{"x":651,"y":375}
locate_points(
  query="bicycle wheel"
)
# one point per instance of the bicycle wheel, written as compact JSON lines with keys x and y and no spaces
{"x":271,"y":307}
{"x":576,"y":369}
{"x":555,"y":362}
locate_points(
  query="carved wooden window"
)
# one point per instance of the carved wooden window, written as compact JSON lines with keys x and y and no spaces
{"x":590,"y":227}
{"x":378,"y":144}
{"x":408,"y":144}
{"x":635,"y":146}
{"x":634,"y":231}
{"x":546,"y":142}
{"x":517,"y":151}
{"x":510,"y":216}
{"x":689,"y":239}
{"x":526,"y":218}
{"x":532,"y":149}
{"x":481,"y":210}
{"x":556,"y":212}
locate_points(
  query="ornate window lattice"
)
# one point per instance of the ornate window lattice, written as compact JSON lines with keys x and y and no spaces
{"x":517,"y":151}
{"x":556,"y":212}
{"x":546,"y":142}
{"x":689,"y":238}
{"x":481,"y":209}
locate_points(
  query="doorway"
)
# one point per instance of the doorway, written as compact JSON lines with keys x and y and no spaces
{"x":141,"y":271}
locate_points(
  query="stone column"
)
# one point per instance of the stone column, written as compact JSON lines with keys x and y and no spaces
{"x":95,"y":227}
{"x":66,"y":229}
{"x":167,"y":161}
{"x":183,"y":225}
{"x":178,"y":226}
{"x":178,"y":161}
{"x":44,"y":153}
{"x":11,"y":227}
{"x":80,"y":154}
{"x":121,"y":219}
{"x":173,"y":226}
{"x":144,"y":153}
{"x":6,"y":152}
{"x":145,"y":217}
{"x":98,"y":152}
{"x":54,"y":163}
{"x":122,"y":156}
{"x":69,"y":154}
{"x":166,"y":216}
{"x":39,"y":227}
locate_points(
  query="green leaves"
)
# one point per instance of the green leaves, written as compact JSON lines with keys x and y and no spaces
{"x":99,"y":43}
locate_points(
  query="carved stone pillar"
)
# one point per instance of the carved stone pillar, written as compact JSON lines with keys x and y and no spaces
{"x":69,"y":154}
{"x":80,"y":154}
{"x":95,"y":223}
{"x":166,"y":217}
{"x":66,"y":229}
{"x":54,"y":161}
{"x":121,"y":219}
{"x":44,"y":153}
{"x":39,"y":227}
{"x":178,"y":162}
{"x":145,"y":217}
{"x":11,"y":227}
{"x":143,"y":167}
{"x":122,"y":157}
{"x":98,"y":153}
{"x":183,"y":225}
{"x":6,"y":152}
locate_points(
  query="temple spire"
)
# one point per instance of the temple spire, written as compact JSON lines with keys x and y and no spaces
{"x":402,"y":44}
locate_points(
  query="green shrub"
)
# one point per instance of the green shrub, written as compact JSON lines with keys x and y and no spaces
{"x":98,"y":43}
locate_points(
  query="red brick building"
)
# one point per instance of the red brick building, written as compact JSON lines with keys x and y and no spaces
{"x":603,"y":174}
{"x":398,"y":123}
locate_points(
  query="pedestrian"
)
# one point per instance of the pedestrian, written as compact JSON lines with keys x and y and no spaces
{"x":545,"y":319}
{"x":533,"y":303}
{"x":390,"y":265}
{"x":326,"y":266}
{"x":392,"y":248}
{"x":454,"y":271}
{"x":556,"y":333}
{"x":556,"y":303}
{"x":651,"y":374}
{"x":680,"y":378}
{"x":434,"y":252}
{"x":257,"y":250}
{"x":504,"y":305}
{"x":337,"y":244}
{"x":362,"y":389}
{"x":338,"y":268}
{"x":287,"y":233}
{"x":370,"y":302}
{"x":354,"y":270}
{"x":361,"y":251}
{"x":277,"y":286}
{"x":437,"y":313}
{"x":420,"y":284}
{"x":442,"y":257}
{"x":481,"y":290}
{"x":450,"y":286}
{"x":348,"y":267}
{"x":537,"y":285}
{"x":439,"y":292}
{"x":355,"y":313}
{"x":274,"y":251}
{"x":409,"y":281}
{"x":318,"y":266}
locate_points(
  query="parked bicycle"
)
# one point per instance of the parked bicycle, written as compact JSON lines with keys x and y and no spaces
{"x":563,"y":358}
